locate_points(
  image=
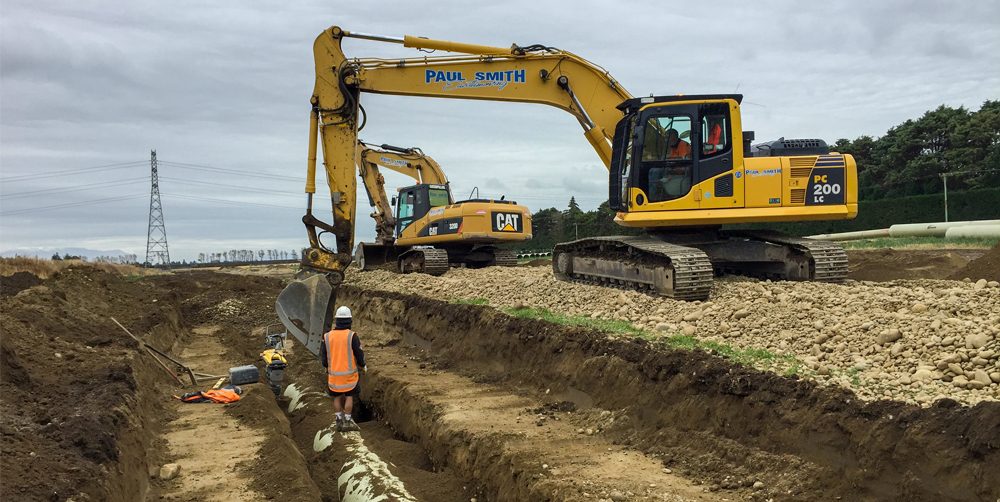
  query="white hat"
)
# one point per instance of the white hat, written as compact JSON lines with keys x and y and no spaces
{"x":343,"y":313}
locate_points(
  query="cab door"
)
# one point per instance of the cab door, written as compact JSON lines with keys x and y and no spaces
{"x":406,"y":204}
{"x":716,"y":183}
{"x":663,"y":161}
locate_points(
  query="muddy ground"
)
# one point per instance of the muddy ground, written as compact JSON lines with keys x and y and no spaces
{"x":460,"y":402}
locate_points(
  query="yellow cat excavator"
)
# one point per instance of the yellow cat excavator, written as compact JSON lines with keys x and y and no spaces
{"x":679,"y":167}
{"x":428,"y":230}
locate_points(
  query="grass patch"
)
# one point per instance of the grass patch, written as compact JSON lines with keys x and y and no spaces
{"x":47,"y":268}
{"x":922,"y":242}
{"x":618,"y":327}
{"x":747,"y":357}
{"x":471,"y":301}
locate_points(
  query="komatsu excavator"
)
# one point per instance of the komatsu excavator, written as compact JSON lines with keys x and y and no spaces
{"x":428,"y":230}
{"x":679,"y":167}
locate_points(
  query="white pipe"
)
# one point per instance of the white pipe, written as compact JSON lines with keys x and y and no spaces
{"x":973,"y":231}
{"x":932,"y":229}
{"x":364,"y":476}
{"x":852,"y":236}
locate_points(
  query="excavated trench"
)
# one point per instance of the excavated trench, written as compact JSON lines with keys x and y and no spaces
{"x":462,"y":402}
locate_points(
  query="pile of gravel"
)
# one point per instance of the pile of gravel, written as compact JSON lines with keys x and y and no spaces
{"x":910,"y":340}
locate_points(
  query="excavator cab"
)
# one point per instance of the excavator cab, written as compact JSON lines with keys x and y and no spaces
{"x":414,"y":202}
{"x":667,"y":148}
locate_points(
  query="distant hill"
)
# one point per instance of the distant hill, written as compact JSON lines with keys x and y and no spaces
{"x":89,"y":254}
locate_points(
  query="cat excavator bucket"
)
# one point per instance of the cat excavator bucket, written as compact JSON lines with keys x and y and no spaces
{"x":305,"y":307}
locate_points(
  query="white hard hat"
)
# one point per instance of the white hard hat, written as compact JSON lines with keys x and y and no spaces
{"x":343,"y":312}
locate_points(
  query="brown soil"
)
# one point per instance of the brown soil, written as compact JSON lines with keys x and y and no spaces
{"x":710,"y":419}
{"x":893,"y":264}
{"x":538,"y":262}
{"x":455,"y":394}
{"x":13,"y":284}
{"x":986,"y":267}
{"x":77,"y":413}
{"x":82,"y":411}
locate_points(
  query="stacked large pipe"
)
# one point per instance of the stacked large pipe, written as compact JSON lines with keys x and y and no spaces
{"x":947,"y":230}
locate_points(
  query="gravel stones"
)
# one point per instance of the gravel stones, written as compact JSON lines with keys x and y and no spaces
{"x":895,"y":339}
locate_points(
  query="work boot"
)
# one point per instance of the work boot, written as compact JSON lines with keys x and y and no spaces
{"x":350,"y":425}
{"x":339,"y":427}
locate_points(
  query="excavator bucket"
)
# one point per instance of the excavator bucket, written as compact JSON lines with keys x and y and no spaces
{"x":371,"y":256}
{"x":305,"y":307}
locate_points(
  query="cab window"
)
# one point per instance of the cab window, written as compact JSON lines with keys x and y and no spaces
{"x":406,"y":203}
{"x":715,"y":130}
{"x":667,"y":137}
{"x":666,"y":162}
{"x":439,"y":197}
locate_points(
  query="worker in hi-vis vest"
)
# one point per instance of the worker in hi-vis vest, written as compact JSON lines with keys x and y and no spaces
{"x":342,"y":356}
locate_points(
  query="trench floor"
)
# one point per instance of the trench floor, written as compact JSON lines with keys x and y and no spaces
{"x":209,"y":445}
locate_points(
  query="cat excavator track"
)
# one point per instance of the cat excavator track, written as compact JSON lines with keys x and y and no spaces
{"x":505,"y":258}
{"x":425,"y":260}
{"x":638,"y":263}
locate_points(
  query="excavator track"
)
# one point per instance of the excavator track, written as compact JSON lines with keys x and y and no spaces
{"x":829,"y":258}
{"x":504,"y":258}
{"x":638,"y":263}
{"x":431,"y":261}
{"x":826,"y":261}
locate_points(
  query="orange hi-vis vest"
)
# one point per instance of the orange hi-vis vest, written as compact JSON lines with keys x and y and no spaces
{"x":341,"y":368}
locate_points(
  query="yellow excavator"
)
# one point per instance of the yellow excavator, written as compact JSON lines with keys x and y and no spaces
{"x":679,"y":167}
{"x":423,"y":228}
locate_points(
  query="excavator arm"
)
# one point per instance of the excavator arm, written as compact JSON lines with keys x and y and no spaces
{"x":411,"y":162}
{"x":530,"y":74}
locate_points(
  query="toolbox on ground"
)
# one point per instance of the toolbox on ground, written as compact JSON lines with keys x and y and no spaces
{"x":242,"y":375}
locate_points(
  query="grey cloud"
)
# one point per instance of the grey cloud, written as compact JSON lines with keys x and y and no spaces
{"x":227,"y":85}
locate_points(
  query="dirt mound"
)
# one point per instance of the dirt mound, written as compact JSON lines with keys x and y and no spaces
{"x":538,"y":262}
{"x":710,"y":418}
{"x":11,"y":285}
{"x":893,"y":264}
{"x":986,"y":267}
{"x":74,"y":402}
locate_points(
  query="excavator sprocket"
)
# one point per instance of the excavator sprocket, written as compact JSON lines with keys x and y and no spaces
{"x":639,"y":263}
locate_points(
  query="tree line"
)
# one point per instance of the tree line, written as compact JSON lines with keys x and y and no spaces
{"x":248,"y":255}
{"x":911,"y":157}
{"x":908,"y":160}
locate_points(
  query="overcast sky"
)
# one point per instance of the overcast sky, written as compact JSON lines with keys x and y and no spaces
{"x":226,"y":85}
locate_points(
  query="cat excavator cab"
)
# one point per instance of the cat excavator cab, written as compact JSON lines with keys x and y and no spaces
{"x":423,"y":228}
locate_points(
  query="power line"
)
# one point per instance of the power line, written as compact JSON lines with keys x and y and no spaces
{"x":233,"y":187}
{"x":101,"y":184}
{"x":202,"y":167}
{"x":69,"y":172}
{"x":71,"y":204}
{"x":230,"y":201}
